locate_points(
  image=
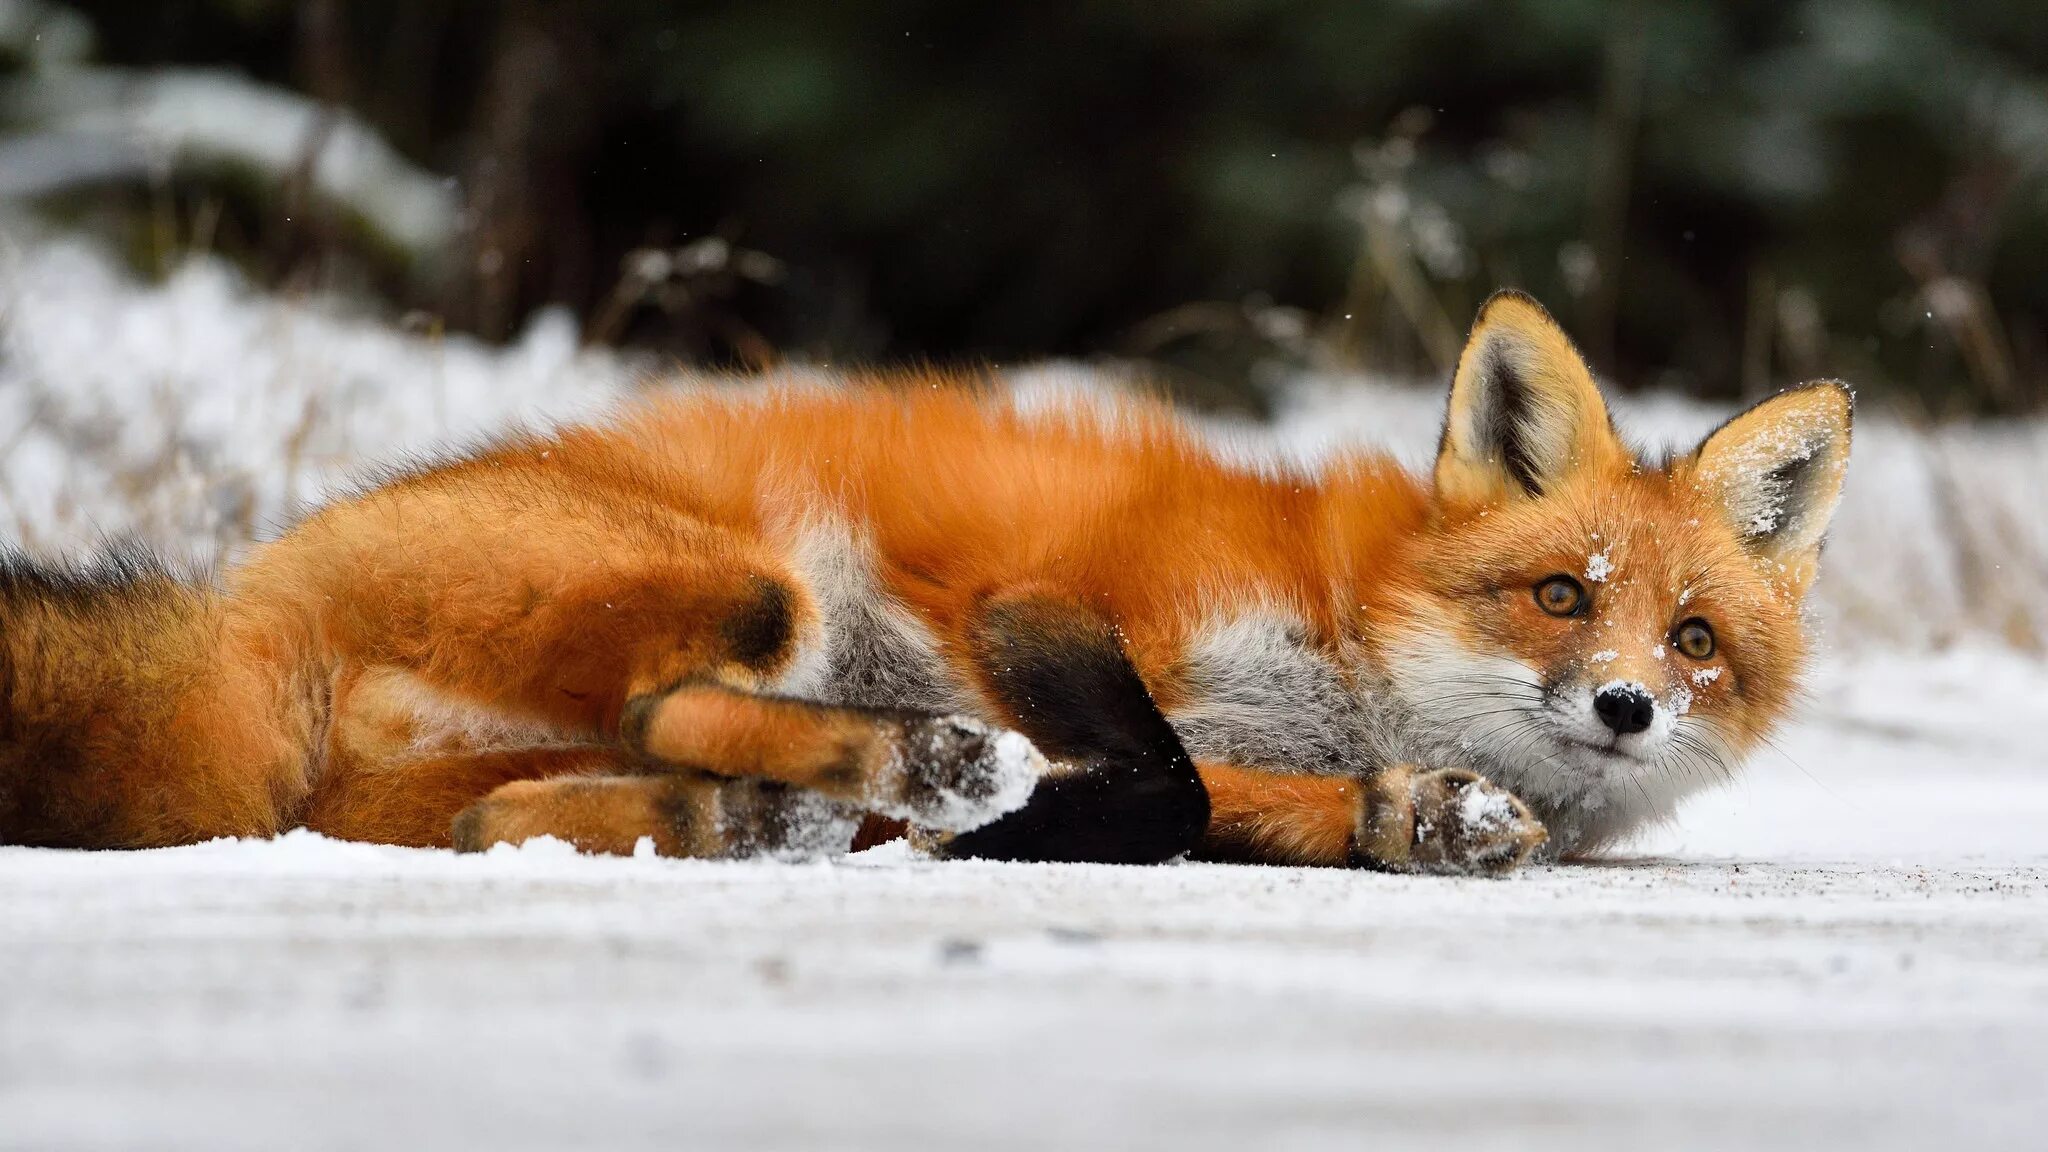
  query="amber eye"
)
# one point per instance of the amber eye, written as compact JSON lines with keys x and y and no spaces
{"x":1694,"y":638}
{"x":1560,"y":596}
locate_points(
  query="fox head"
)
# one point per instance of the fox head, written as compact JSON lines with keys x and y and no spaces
{"x":1599,"y":630}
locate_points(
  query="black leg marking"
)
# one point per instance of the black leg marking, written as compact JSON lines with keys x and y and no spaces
{"x":1061,"y":677}
{"x":759,"y":633}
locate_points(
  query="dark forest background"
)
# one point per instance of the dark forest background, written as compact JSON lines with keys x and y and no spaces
{"x":1715,"y":196}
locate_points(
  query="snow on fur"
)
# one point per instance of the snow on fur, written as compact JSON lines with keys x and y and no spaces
{"x":996,"y":782}
{"x":1599,"y":566}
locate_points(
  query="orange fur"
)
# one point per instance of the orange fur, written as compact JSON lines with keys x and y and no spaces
{"x":604,"y":814}
{"x":1281,"y":819}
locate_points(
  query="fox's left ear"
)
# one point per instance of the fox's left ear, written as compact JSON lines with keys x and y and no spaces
{"x":1524,"y":410}
{"x":1776,"y":471}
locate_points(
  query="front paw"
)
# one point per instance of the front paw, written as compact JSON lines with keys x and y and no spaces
{"x":1449,"y":821}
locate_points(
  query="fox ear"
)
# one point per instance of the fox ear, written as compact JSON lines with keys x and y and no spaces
{"x":1776,"y":471}
{"x":1524,"y":410}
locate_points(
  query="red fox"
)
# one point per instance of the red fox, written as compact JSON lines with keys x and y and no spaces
{"x":786,"y":621}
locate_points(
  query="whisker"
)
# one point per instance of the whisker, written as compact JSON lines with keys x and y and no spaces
{"x":1818,"y":782}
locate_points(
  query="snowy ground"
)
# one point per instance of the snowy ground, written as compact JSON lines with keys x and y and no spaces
{"x":1848,"y":947}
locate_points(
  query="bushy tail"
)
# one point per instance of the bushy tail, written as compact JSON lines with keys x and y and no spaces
{"x":119,"y":717}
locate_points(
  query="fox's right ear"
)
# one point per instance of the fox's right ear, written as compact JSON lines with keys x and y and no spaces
{"x":1776,"y":471}
{"x":1524,"y":411}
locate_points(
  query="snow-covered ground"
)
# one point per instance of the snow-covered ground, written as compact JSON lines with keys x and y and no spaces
{"x":1848,"y":947}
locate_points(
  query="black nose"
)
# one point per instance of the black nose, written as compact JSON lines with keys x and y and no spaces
{"x":1625,"y":710}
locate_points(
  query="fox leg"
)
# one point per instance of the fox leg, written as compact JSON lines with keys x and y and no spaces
{"x":725,"y":773}
{"x":945,"y":773}
{"x":1122,"y":789}
{"x":478,"y":645}
{"x":653,"y":635}
{"x":679,"y":814}
{"x":527,"y":595}
{"x":413,"y":800}
{"x":1400,"y":819}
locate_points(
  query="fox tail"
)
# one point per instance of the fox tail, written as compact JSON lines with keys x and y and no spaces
{"x":121,"y":720}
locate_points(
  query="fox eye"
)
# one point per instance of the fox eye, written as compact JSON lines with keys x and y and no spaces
{"x":1695,"y":638}
{"x":1561,"y":596}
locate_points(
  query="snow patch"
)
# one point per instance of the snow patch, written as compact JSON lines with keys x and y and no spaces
{"x":950,"y":796}
{"x":197,"y":415}
{"x":94,"y":123}
{"x":1482,"y":809}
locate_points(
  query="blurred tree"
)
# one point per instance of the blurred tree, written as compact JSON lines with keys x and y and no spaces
{"x":1719,"y":194}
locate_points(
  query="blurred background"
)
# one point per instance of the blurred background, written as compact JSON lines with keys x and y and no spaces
{"x":1715,"y":196}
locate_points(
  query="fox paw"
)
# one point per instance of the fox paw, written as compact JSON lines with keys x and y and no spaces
{"x":955,"y":774}
{"x":1449,"y":821}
